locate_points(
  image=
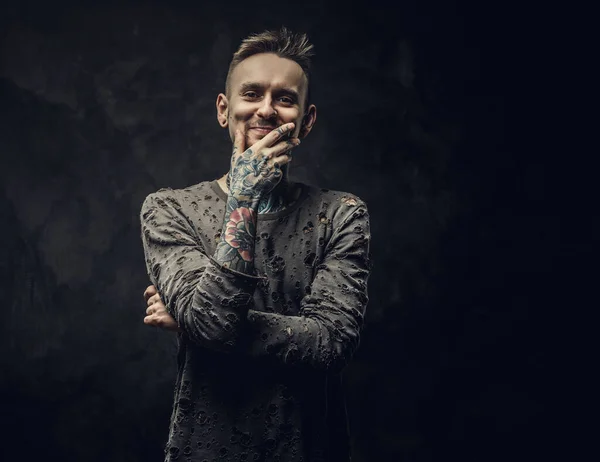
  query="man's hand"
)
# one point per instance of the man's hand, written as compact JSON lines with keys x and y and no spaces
{"x":157,"y":311}
{"x":257,"y":170}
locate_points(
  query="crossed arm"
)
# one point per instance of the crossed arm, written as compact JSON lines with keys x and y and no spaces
{"x":212,"y":305}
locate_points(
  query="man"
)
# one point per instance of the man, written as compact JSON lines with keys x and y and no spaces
{"x":264,"y":279}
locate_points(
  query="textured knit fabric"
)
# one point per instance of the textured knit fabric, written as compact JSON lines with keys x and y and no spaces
{"x":259,"y":357}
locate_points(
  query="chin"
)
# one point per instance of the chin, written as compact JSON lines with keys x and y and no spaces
{"x":253,"y":139}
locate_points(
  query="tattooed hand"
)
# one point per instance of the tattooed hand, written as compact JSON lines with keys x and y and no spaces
{"x":257,"y":170}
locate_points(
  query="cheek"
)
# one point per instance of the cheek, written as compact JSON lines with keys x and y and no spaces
{"x":298,"y":122}
{"x":291,"y":115}
{"x":240,"y":111}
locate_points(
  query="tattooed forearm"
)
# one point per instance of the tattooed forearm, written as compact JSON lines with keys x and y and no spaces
{"x":235,"y":249}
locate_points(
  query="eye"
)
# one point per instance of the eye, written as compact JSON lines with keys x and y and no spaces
{"x":286,"y":100}
{"x":251,"y":94}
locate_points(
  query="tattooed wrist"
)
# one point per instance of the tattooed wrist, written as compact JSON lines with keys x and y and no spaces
{"x":250,"y":195}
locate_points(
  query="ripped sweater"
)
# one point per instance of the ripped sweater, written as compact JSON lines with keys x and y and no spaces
{"x":260,"y":356}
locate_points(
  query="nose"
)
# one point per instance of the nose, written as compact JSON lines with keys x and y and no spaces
{"x":266,"y":109}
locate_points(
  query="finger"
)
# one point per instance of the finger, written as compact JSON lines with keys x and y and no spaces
{"x":150,"y":290}
{"x":149,"y":310}
{"x":161,"y":322}
{"x":275,"y":135}
{"x":239,"y":144}
{"x":151,"y":321}
{"x":281,"y":147}
{"x":154,"y":299}
{"x":281,"y":160}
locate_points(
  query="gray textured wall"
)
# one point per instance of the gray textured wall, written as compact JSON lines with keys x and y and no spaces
{"x":102,"y":105}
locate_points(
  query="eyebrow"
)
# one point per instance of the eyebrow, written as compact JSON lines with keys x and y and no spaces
{"x":247,"y":86}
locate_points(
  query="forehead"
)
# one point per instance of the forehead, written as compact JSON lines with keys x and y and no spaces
{"x":270,"y":70}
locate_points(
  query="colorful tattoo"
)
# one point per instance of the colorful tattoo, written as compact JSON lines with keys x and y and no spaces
{"x":235,"y":250}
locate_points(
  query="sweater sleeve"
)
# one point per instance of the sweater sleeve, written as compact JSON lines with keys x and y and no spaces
{"x":326,"y":333}
{"x":209,"y":302}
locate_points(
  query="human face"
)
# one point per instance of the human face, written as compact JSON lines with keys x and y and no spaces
{"x":266,"y":91}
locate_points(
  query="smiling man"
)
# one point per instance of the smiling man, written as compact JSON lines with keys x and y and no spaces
{"x":263,"y":279}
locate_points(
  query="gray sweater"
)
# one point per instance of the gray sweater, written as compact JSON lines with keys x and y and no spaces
{"x":260,"y":357}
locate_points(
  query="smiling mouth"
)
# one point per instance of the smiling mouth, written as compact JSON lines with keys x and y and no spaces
{"x":267,"y":130}
{"x":263,"y":129}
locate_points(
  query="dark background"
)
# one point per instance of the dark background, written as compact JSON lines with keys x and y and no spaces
{"x":103,"y":103}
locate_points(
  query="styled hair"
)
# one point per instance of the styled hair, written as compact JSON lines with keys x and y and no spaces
{"x":283,"y":43}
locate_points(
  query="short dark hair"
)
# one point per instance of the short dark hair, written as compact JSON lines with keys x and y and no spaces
{"x":283,"y":43}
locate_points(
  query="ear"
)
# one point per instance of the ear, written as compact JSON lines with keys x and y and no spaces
{"x":308,"y":121}
{"x":222,"y":110}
